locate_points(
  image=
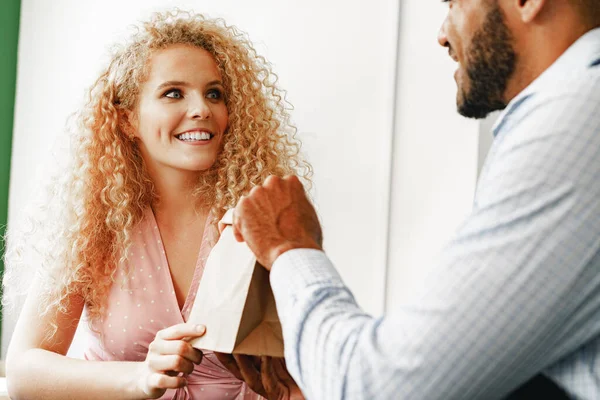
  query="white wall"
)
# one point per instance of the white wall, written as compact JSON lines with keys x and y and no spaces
{"x":374,"y":103}
{"x":336,"y":58}
{"x":435,"y":151}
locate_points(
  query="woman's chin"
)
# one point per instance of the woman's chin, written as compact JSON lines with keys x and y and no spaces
{"x":200,"y":167}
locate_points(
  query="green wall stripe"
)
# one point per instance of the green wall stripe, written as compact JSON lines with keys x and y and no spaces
{"x":10,"y":11}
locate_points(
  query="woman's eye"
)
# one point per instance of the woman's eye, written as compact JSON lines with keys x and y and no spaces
{"x":173,"y":94}
{"x":214,"y":94}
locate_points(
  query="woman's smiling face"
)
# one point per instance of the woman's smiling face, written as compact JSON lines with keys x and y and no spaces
{"x":181,"y":115}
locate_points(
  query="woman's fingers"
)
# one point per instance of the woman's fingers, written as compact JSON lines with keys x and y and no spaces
{"x":177,"y":347}
{"x":168,"y":342}
{"x":164,"y":363}
{"x":154,"y":384}
{"x":170,"y":359}
{"x":181,"y":331}
{"x":163,"y":381}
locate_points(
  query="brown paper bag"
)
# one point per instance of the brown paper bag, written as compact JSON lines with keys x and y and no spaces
{"x":235,"y":302}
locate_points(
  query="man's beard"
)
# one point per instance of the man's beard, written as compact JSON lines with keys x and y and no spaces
{"x":490,"y":63}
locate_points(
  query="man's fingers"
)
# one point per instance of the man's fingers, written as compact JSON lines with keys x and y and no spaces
{"x":269,"y":378}
{"x":294,"y":181}
{"x":283,"y":373}
{"x":250,"y":374}
{"x":235,"y":223}
{"x":238,"y":213}
{"x":285,"y":379}
{"x":229,"y":362}
{"x":237,"y":234}
{"x":295,"y":188}
{"x":221,"y":226}
{"x":243,"y":368}
{"x":272,"y":181}
{"x":264,"y":198}
{"x":273,"y":194}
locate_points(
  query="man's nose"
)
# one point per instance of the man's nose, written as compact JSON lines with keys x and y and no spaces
{"x":442,"y":37}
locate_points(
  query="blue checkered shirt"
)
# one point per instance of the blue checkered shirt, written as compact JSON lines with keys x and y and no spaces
{"x":516,"y":291}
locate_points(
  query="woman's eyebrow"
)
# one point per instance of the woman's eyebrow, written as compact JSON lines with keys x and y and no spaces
{"x":214,"y":83}
{"x":170,"y":84}
{"x":167,"y":84}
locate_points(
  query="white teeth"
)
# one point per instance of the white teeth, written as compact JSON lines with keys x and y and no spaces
{"x":194,"y":136}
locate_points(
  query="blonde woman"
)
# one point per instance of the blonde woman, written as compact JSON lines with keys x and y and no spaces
{"x":184,"y":121}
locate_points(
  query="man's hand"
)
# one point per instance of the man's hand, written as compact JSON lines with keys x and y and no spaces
{"x":276,"y":217}
{"x":266,"y":376}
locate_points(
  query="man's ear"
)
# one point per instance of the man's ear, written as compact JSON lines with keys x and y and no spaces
{"x":528,"y":10}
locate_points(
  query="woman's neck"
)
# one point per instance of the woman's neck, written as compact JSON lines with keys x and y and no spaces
{"x":176,"y":200}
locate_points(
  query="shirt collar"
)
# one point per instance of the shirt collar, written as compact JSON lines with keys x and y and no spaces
{"x":582,"y":54}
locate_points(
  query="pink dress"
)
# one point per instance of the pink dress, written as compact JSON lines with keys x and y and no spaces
{"x":146,"y":303}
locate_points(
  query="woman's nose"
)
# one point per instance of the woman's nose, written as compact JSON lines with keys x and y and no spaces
{"x":200,"y":109}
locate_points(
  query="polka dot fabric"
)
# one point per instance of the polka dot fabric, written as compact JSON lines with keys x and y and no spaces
{"x":142,"y":301}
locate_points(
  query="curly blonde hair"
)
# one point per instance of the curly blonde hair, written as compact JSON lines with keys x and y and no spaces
{"x":86,"y":227}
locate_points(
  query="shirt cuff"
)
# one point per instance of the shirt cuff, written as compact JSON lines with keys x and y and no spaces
{"x":299,"y":269}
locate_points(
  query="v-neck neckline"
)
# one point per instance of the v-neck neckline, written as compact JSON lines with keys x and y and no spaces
{"x":184,"y":311}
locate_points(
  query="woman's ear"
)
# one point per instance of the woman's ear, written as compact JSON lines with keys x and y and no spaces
{"x":128,"y":124}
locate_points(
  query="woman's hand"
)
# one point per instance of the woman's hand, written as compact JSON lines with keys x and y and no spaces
{"x":170,"y":359}
{"x":267,"y":376}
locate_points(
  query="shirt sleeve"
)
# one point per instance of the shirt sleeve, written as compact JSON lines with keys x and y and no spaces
{"x":515,"y":290}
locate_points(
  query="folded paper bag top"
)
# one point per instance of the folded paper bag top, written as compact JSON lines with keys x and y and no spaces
{"x":235,"y":301}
